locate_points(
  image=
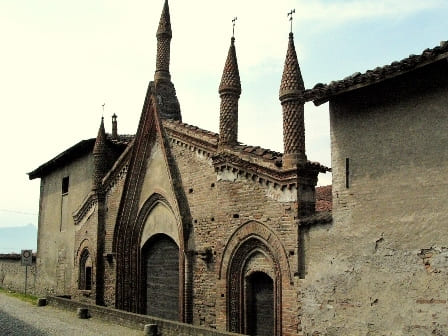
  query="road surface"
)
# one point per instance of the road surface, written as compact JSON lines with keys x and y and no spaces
{"x":18,"y":318}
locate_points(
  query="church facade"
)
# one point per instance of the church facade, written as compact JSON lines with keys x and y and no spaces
{"x":190,"y":225}
{"x":178,"y":222}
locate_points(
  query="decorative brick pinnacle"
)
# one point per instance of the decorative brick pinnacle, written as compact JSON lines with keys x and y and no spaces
{"x":164,"y":29}
{"x":230,"y":80}
{"x":292,"y":83}
{"x":100,"y":142}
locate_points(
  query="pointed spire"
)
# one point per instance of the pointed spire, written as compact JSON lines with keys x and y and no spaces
{"x":230,"y":80}
{"x":100,"y":156}
{"x":291,"y":97}
{"x":163,"y":35}
{"x":229,"y":91}
{"x":292,"y":82}
{"x":165,"y":22}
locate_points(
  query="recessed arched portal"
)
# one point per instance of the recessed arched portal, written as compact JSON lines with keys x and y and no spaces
{"x":259,"y":304}
{"x":160,"y":269}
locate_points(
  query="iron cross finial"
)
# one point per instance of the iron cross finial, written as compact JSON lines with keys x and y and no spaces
{"x":290,"y":16}
{"x":233,"y":23}
{"x":104,"y":104}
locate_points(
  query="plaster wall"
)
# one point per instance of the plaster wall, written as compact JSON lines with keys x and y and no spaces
{"x":381,"y":268}
{"x":55,"y":244}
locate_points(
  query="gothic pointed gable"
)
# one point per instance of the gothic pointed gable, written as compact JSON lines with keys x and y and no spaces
{"x":292,"y":82}
{"x":151,"y":176}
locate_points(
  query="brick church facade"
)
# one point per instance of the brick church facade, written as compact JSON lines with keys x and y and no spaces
{"x":189,"y":225}
{"x":179,"y":222}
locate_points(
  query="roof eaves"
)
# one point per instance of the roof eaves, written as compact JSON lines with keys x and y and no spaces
{"x":321,"y":93}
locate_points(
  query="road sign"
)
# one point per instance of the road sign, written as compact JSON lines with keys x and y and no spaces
{"x":27,"y":257}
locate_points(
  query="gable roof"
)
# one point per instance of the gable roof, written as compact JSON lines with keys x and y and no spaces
{"x":322,"y":93}
{"x":82,"y":148}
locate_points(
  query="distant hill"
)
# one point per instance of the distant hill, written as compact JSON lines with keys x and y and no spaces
{"x":17,"y":238}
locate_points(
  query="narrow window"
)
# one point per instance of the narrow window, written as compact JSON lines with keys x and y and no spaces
{"x":65,"y":183}
{"x":347,"y":173}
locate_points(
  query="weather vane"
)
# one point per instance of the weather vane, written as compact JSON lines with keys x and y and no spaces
{"x":233,"y":28}
{"x":104,"y":104}
{"x":290,"y":16}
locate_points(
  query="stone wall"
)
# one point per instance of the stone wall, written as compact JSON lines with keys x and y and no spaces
{"x":12,"y":274}
{"x":381,"y":268}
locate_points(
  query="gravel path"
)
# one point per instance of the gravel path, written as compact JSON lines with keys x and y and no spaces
{"x":18,"y":318}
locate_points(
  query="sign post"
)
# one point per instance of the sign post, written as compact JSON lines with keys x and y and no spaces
{"x":27,"y":260}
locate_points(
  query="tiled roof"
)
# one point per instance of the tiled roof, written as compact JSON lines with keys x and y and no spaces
{"x":324,"y":200}
{"x":211,"y":139}
{"x":321,"y":93}
{"x":80,"y":149}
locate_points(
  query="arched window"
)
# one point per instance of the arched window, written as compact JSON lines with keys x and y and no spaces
{"x":85,"y":271}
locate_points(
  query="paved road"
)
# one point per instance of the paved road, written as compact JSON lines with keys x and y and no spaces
{"x":18,"y":318}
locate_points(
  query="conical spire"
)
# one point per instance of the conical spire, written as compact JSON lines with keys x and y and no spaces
{"x":165,"y":22}
{"x":230,"y":80}
{"x":100,"y":156}
{"x":292,"y":82}
{"x":229,"y":91}
{"x":291,"y":97}
{"x":163,"y":35}
{"x":100,"y":142}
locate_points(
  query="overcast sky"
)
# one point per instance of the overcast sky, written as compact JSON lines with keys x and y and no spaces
{"x":61,"y":60}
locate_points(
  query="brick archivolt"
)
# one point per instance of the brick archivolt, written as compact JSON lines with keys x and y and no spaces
{"x":258,"y":231}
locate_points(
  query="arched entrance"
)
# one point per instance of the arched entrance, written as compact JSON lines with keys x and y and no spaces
{"x":85,"y":271}
{"x":259,"y":304}
{"x":160,"y":269}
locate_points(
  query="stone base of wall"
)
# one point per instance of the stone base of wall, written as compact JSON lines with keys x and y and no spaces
{"x":136,"y":321}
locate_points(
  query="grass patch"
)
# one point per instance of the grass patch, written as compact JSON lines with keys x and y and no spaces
{"x":27,"y":298}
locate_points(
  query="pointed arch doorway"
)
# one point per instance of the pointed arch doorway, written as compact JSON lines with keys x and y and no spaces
{"x":259,"y":297}
{"x":160,"y":265}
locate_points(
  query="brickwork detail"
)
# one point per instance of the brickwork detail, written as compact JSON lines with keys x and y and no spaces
{"x":229,"y":90}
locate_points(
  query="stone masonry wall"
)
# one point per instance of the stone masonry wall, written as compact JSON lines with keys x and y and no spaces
{"x":12,"y":274}
{"x":381,"y":268}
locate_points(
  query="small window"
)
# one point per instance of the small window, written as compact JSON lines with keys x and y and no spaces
{"x":65,"y":183}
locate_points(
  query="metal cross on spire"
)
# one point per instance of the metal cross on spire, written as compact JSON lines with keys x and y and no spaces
{"x":104,"y":104}
{"x":290,"y":16}
{"x":233,"y":23}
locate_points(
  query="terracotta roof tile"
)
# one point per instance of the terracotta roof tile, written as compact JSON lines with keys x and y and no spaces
{"x":321,"y":93}
{"x":324,"y":199}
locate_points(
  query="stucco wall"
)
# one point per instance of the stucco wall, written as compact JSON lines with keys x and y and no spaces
{"x":55,"y":244}
{"x":381,"y":268}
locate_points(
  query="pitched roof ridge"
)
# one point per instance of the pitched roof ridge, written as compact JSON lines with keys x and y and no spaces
{"x":321,"y":92}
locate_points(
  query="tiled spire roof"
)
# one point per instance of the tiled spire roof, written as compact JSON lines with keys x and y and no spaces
{"x":165,"y":22}
{"x":292,"y":82}
{"x":100,"y":142}
{"x":230,"y":80}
